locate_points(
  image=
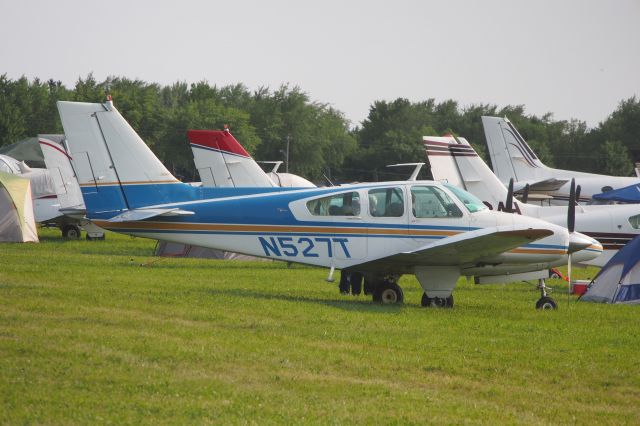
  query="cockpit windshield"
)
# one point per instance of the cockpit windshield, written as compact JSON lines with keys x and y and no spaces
{"x":472,"y":203}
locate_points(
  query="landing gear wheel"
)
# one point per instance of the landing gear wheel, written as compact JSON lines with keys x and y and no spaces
{"x":388,"y":293}
{"x":546,"y":304}
{"x":436,"y":302}
{"x":70,"y":232}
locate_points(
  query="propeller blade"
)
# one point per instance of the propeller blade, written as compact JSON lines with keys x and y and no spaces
{"x":525,"y":193}
{"x":571,"y":213}
{"x":508,"y":207}
{"x":578,"y":189}
{"x":569,"y":276}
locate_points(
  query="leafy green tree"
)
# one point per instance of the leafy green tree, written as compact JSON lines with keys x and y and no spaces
{"x":617,"y":160}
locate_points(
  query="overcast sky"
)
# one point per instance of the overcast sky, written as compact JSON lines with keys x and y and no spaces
{"x":574,"y":58}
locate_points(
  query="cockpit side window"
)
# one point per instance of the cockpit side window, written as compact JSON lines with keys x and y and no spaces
{"x":386,"y":202}
{"x":347,"y":204}
{"x":635,"y":221}
{"x":432,"y":202}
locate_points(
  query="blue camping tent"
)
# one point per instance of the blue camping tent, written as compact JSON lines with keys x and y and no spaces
{"x":619,"y":280}
{"x":629,"y":194}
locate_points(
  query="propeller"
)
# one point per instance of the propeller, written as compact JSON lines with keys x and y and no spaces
{"x":578,"y":189}
{"x":525,"y":193}
{"x":571,"y":226}
{"x":508,"y":207}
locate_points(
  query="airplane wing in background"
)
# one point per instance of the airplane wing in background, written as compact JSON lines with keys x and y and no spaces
{"x":547,"y":185}
{"x":463,"y":249}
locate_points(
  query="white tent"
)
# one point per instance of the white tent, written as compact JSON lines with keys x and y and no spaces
{"x":17,"y":223}
{"x":619,"y":280}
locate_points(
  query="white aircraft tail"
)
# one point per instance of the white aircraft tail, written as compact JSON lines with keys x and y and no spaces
{"x":510,"y":154}
{"x":222,"y":162}
{"x":116,"y":170}
{"x":454,"y":160}
{"x":58,"y":162}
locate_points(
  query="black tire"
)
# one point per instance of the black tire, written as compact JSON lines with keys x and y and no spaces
{"x":388,"y":293}
{"x":436,"y":302}
{"x":71,"y":232}
{"x":546,"y":304}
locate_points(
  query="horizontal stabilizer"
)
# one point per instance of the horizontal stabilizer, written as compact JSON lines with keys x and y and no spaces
{"x":141,"y":214}
{"x":547,"y":185}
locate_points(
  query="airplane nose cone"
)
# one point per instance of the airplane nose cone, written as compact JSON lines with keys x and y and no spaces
{"x":584,"y":247}
{"x":578,"y":241}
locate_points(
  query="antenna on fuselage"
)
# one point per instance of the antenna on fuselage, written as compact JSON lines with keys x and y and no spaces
{"x":414,"y":175}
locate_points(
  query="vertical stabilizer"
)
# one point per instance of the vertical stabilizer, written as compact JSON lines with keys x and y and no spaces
{"x":221,"y":161}
{"x":511,"y":156}
{"x":58,"y":163}
{"x":455,"y":160}
{"x":116,"y":170}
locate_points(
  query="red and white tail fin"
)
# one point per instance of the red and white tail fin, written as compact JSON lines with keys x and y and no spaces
{"x":221,"y":161}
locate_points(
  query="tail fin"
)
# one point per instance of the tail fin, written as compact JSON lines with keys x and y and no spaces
{"x":455,"y":160}
{"x":510,"y":154}
{"x":222,"y":161}
{"x":116,"y":170}
{"x":58,"y":163}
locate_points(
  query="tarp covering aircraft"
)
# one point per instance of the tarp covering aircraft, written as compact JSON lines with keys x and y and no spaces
{"x":628,"y":194}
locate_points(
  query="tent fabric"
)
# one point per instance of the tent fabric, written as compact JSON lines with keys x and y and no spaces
{"x":168,"y":249}
{"x":629,"y":194}
{"x":17,"y":222}
{"x":619,"y":280}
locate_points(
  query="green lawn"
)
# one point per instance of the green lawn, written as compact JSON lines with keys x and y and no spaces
{"x":89,"y":335}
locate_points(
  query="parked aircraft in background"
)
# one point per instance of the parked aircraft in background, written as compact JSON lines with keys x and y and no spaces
{"x":513,"y":158}
{"x":66,"y":188}
{"x":455,"y":161}
{"x":436,"y":232}
{"x":222,"y":161}
{"x":46,"y":206}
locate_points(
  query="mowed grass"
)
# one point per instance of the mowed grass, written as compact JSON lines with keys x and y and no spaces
{"x":88,"y":335}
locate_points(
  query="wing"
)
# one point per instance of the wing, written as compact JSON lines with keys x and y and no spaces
{"x":462,"y":249}
{"x":547,"y":185}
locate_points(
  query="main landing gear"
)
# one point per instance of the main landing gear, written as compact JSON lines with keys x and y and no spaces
{"x":437,"y":302}
{"x":545,"y":302}
{"x":388,"y":292}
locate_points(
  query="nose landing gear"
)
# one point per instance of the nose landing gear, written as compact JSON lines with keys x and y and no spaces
{"x":545,"y":302}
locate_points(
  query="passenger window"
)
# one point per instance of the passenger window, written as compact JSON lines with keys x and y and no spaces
{"x":635,"y":221}
{"x":336,"y":205}
{"x":432,"y":202}
{"x":386,"y":202}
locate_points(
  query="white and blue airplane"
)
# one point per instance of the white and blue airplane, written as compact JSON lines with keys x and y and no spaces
{"x":384,"y":230}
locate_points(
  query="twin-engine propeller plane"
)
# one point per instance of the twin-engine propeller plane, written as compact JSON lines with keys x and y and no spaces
{"x":436,"y":232}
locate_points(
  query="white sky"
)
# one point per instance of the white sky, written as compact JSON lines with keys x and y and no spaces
{"x":574,"y":58}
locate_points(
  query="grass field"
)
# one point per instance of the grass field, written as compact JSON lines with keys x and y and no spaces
{"x":88,"y":335}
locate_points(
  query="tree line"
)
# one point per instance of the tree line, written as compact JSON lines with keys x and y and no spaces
{"x":322,"y":142}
